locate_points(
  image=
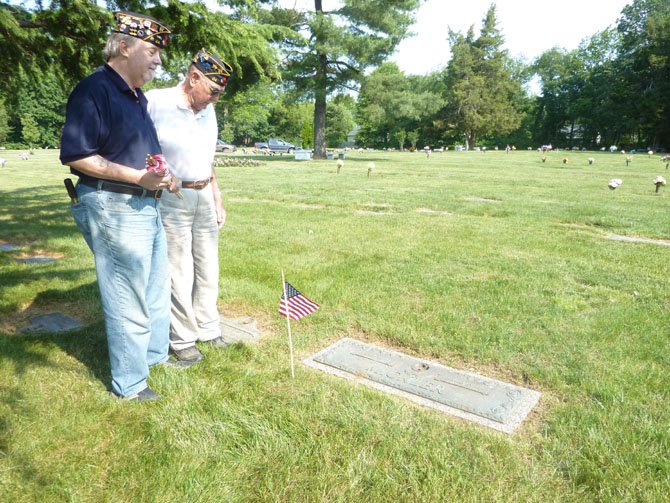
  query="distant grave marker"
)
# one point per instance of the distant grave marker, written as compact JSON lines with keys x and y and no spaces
{"x":486,"y":401}
{"x":37,"y":259}
{"x":374,"y":213}
{"x":52,"y":322}
{"x":481,"y":200}
{"x":239,"y":330}
{"x":629,"y":239}
{"x":432,"y":212}
{"x":7,"y":247}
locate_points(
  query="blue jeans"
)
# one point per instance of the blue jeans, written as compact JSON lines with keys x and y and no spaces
{"x":126,"y":236}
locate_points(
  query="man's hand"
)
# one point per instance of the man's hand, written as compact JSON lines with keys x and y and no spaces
{"x":157,"y":165}
{"x":152,"y":181}
{"x":175,"y":185}
{"x":220,"y":210}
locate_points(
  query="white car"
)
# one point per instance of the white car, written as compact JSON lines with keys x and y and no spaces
{"x":222,"y":146}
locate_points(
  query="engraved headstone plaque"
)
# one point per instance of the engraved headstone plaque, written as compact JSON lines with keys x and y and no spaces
{"x":239,"y":330}
{"x":630,"y":239}
{"x":52,"y":322}
{"x":490,"y":402}
{"x":37,"y":259}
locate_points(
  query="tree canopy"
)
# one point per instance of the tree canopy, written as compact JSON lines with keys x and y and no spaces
{"x":320,"y":72}
{"x":337,"y":46}
{"x":481,"y":85}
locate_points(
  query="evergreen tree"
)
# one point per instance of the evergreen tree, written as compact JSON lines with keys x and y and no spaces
{"x":339,"y":119}
{"x":338,"y":46}
{"x":64,"y":41}
{"x":29,"y":130}
{"x":5,"y":128}
{"x":482,"y":87}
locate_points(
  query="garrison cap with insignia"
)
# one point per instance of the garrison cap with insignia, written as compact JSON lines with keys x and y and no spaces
{"x":143,"y":27}
{"x":215,"y":69}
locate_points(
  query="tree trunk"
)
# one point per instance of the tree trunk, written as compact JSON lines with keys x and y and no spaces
{"x":470,"y":139}
{"x":320,"y":85}
{"x":320,"y":110}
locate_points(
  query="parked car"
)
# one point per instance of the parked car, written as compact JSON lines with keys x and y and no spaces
{"x":275,"y":146}
{"x":222,"y":146}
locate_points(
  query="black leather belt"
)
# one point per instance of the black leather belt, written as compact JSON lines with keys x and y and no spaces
{"x":199,"y":185}
{"x":120,"y":189}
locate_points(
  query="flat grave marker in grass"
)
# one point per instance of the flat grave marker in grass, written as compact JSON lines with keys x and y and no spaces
{"x":8,"y":247}
{"x":239,"y":330}
{"x":52,"y":322}
{"x":432,"y":212}
{"x":37,"y":259}
{"x":630,"y":239}
{"x":486,"y":401}
{"x":481,"y":200}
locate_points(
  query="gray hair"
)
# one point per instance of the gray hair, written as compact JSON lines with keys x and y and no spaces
{"x":112,"y":49}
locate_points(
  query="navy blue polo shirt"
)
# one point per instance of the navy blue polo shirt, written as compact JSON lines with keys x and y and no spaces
{"x":104,"y":117}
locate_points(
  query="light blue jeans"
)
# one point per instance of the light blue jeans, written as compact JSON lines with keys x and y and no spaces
{"x":126,"y":236}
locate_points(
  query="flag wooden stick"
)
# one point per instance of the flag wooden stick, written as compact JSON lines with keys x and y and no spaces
{"x":288,"y":322}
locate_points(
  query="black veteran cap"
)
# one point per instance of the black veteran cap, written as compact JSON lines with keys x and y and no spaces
{"x":212,"y":67}
{"x":143,"y":27}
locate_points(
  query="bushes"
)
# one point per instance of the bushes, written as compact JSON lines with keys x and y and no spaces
{"x":236,"y":161}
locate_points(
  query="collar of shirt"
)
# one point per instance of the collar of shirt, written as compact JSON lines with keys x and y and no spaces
{"x":118,"y":81}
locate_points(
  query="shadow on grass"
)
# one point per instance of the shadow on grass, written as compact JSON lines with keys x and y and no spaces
{"x":29,"y":274}
{"x":27,"y":359}
{"x":88,"y":345}
{"x":31,"y":216}
{"x":35,"y":214}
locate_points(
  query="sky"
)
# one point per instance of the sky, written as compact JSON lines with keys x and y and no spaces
{"x":529,"y":27}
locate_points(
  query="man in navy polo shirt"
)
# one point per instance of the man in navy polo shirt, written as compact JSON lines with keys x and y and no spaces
{"x":107,"y":137}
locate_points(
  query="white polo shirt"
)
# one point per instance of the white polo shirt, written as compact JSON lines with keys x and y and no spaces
{"x":188,"y":139}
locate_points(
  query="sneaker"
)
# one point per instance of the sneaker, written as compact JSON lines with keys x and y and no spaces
{"x":217,"y":343}
{"x":189,"y":354}
{"x":145,"y":395}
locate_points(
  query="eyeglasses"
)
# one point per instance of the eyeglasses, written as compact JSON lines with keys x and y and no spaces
{"x":213,"y":91}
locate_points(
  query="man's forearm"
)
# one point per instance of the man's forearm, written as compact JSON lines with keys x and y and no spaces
{"x":99,"y":167}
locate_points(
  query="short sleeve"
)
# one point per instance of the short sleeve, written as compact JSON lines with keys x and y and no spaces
{"x":82,"y":133}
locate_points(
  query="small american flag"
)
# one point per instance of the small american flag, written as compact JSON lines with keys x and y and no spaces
{"x":297,"y":306}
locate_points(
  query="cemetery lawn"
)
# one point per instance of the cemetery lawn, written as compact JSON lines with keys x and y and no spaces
{"x":488,"y":262}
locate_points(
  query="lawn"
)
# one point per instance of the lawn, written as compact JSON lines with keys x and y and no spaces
{"x":495,"y":263}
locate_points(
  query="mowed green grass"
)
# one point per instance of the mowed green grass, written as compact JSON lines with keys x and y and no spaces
{"x":491,"y":262}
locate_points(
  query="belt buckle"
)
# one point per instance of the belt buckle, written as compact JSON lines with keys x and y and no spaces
{"x":200,"y":184}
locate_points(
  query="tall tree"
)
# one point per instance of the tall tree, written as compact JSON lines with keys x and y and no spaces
{"x":338,"y":46}
{"x":64,"y":39}
{"x":560,"y":74}
{"x":481,"y":84}
{"x":5,"y":128}
{"x":390,"y":101}
{"x":645,"y":56}
{"x":248,"y":113}
{"x":340,"y":119}
{"x":29,"y":130}
{"x":601,"y":103}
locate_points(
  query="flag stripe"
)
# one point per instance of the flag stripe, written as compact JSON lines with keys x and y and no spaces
{"x":297,"y":306}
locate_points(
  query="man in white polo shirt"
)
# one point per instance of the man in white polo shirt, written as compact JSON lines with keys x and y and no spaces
{"x":187,"y":131}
